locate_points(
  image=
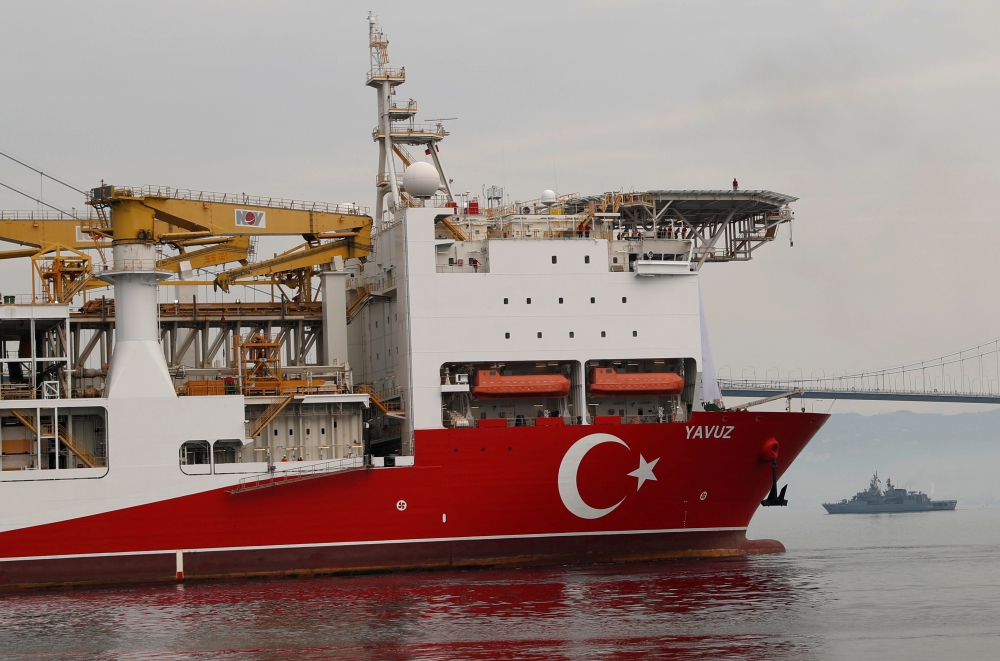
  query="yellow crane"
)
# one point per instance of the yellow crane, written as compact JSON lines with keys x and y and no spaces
{"x":294,"y":268}
{"x":201,"y":214}
{"x":208,"y":229}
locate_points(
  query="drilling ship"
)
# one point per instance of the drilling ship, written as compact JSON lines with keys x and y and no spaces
{"x":474,"y":381}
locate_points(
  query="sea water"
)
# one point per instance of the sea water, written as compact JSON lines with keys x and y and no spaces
{"x":887,"y":586}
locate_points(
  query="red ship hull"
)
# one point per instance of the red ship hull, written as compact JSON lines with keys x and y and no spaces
{"x":476,"y":497}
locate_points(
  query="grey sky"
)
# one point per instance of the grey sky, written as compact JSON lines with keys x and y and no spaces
{"x":880,"y":116}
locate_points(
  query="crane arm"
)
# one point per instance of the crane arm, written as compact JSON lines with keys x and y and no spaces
{"x":212,"y":214}
{"x":38,"y":231}
{"x":233,"y":249}
{"x":304,"y":256}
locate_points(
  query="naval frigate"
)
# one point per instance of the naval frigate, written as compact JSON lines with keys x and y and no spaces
{"x":876,"y":500}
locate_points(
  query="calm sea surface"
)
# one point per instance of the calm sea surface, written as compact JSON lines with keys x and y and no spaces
{"x":903,"y":586}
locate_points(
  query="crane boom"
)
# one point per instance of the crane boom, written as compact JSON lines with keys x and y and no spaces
{"x":301,"y":257}
{"x":135,"y":210}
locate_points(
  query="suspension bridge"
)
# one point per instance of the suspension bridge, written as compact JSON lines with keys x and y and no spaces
{"x":969,"y":376}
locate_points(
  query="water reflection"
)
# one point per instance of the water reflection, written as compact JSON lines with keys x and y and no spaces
{"x":731,"y":608}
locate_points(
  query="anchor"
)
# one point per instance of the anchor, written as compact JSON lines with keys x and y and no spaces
{"x":775,"y":499}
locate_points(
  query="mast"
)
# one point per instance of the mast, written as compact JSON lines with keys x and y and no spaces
{"x":396,"y":125}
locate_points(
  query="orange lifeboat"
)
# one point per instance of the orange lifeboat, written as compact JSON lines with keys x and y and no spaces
{"x":607,"y":382}
{"x":490,"y":384}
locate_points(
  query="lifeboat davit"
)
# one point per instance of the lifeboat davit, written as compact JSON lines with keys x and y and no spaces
{"x":607,"y":382}
{"x":490,"y":384}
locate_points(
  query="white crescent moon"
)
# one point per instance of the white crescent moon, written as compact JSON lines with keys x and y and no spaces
{"x":568,"y":490}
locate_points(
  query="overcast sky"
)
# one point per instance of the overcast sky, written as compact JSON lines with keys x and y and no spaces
{"x":880,"y":116}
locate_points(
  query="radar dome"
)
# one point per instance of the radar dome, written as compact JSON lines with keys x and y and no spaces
{"x":421,"y":179}
{"x":548,"y":198}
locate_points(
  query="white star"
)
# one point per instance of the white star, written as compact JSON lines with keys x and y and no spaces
{"x":644,"y":471}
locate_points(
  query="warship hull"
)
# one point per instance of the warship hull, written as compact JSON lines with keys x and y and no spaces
{"x":889,"y":508}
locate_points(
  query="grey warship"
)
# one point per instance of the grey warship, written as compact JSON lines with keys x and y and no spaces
{"x":876,"y":500}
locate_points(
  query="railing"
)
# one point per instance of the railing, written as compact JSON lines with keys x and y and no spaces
{"x":402,"y":130}
{"x":445,"y":268}
{"x":76,"y":214}
{"x":242,"y":199}
{"x":292,"y":475}
{"x":568,"y":420}
{"x":269,"y":414}
{"x":382,"y":399}
{"x":386,"y":73}
{"x":129,"y":265}
{"x":27,"y":299}
{"x":515,"y":229}
{"x":381,"y":283}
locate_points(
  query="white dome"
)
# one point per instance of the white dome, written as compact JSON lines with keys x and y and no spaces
{"x":421,"y":179}
{"x":548,"y":198}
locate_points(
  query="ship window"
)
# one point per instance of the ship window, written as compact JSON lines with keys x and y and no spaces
{"x":322,"y":430}
{"x":611,"y":411}
{"x":571,"y":334}
{"x":614,"y":260}
{"x":608,"y":371}
{"x":227,"y":451}
{"x":586,"y":259}
{"x":493,"y":372}
{"x":624,"y":299}
{"x":603,"y":334}
{"x":275,"y":432}
{"x":553,"y":259}
{"x":640,"y":411}
{"x":194,"y":453}
{"x":635,"y":333}
{"x":290,"y":432}
{"x":307,"y":431}
{"x":593,"y":300}
{"x":539,"y":335}
{"x":334,"y":424}
{"x":529,"y":301}
{"x":506,"y":336}
{"x":560,"y":300}
{"x":505,"y":301}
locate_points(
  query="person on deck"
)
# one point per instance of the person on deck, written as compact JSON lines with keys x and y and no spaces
{"x":736,"y":185}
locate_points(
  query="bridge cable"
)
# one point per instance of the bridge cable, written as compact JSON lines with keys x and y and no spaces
{"x":44,"y":174}
{"x":32,"y":197}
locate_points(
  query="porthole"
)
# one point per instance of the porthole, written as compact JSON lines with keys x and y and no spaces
{"x":624,"y":299}
{"x":603,"y":334}
{"x":586,"y":259}
{"x":553,"y":259}
{"x":529,"y":301}
{"x":571,"y":334}
{"x":560,"y":300}
{"x":635,"y":333}
{"x":506,"y":336}
{"x":539,"y":335}
{"x":505,"y":302}
{"x":593,"y":300}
